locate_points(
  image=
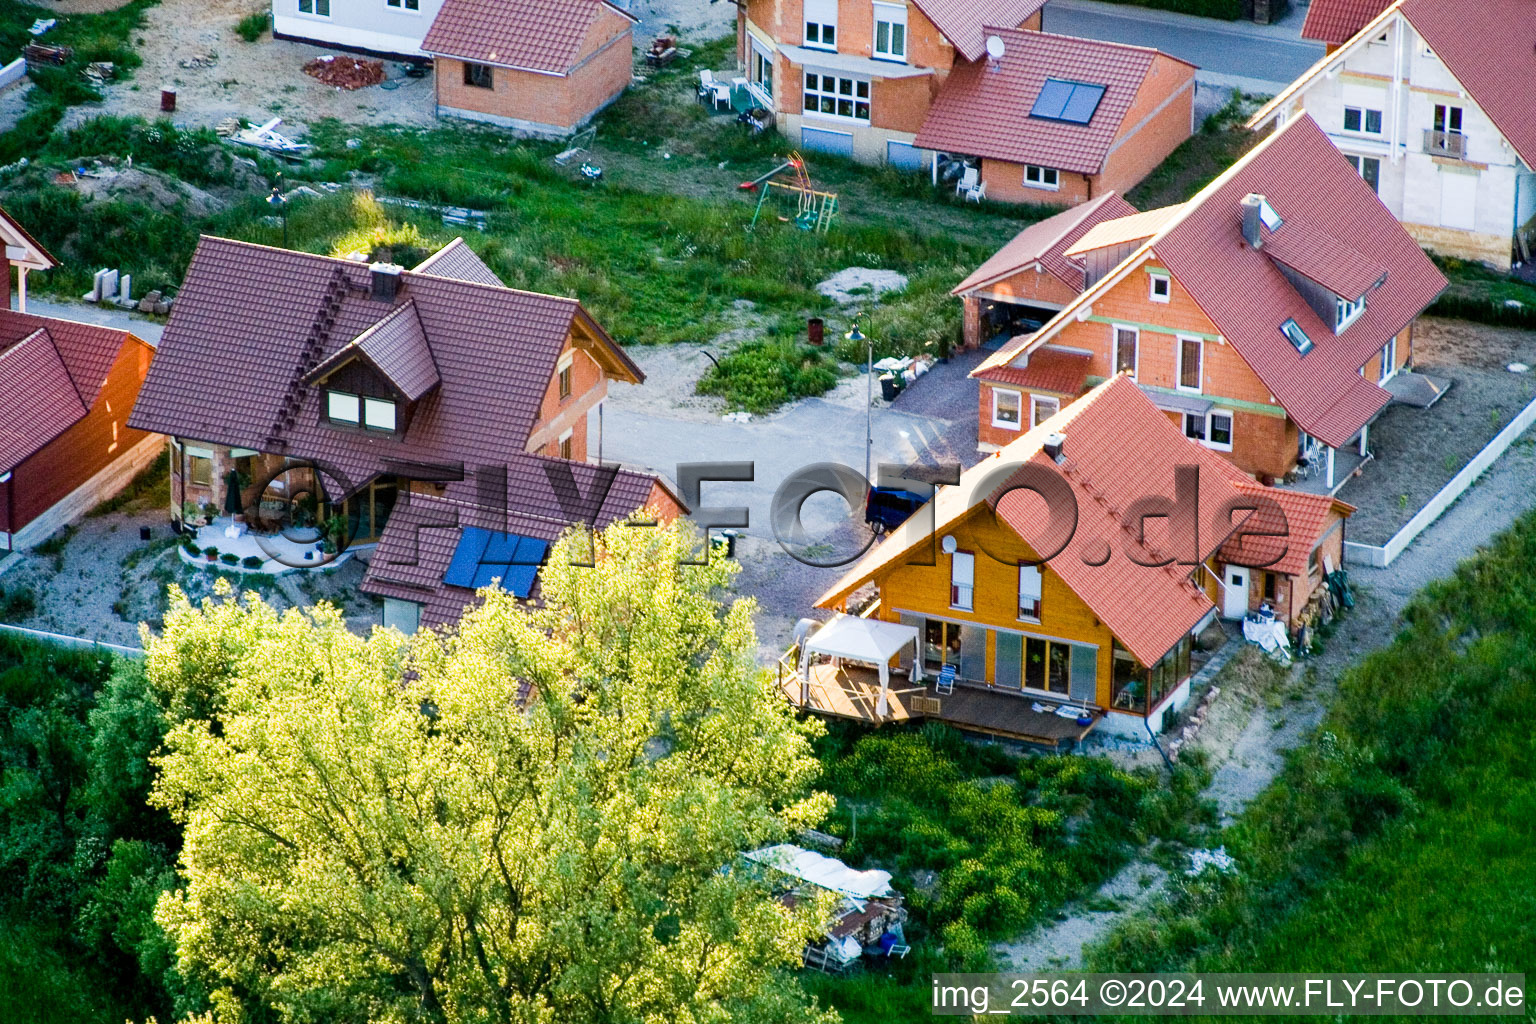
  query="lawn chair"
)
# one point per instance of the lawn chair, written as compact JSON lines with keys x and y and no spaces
{"x":976,"y":193}
{"x":718,"y":92}
{"x":969,"y":179}
{"x":945,"y":684}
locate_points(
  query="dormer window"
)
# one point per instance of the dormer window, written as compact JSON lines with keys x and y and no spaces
{"x":341,"y":407}
{"x":1296,"y":336}
{"x":379,"y":414}
{"x":1347,"y":312}
{"x":1267,"y":214}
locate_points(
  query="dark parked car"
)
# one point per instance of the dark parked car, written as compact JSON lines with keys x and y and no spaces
{"x":889,"y":507}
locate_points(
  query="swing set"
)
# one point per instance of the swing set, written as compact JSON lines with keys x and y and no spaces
{"x":814,"y":208}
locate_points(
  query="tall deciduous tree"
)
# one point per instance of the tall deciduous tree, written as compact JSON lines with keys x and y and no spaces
{"x":532,"y":819}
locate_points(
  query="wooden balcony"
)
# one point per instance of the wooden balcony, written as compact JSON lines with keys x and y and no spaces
{"x":853,"y":692}
{"x":1447,"y":144}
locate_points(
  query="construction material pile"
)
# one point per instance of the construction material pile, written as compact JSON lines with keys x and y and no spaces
{"x":345,"y":72}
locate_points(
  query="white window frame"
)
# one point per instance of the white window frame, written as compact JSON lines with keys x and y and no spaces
{"x":1045,"y":178}
{"x":1206,"y":421}
{"x":956,"y":560}
{"x":1166,"y":280}
{"x":760,"y":71}
{"x":1018,"y":409}
{"x":1364,"y":113}
{"x":837,"y":96}
{"x":1032,"y":590}
{"x":816,"y":13}
{"x":404,"y":6}
{"x":355,"y":407}
{"x":1114,"y":349}
{"x":1178,"y":358}
{"x":1346,"y":312}
{"x":1388,"y":368}
{"x":315,"y":10}
{"x":1460,"y":118}
{"x":1038,"y":403}
{"x":1300,"y":330}
{"x":380,"y":414}
{"x":1357,"y":161}
{"x":893,"y":16}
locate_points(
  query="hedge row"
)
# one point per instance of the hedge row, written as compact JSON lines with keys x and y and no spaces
{"x":1484,"y":311}
{"x":1230,"y":10}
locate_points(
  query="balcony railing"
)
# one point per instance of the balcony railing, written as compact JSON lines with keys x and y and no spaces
{"x":1451,"y":144}
{"x":960,"y":596}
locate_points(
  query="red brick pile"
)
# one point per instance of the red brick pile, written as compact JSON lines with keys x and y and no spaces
{"x":346,"y":72}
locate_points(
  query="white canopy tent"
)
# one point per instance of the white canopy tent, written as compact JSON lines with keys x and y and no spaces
{"x":868,"y":641}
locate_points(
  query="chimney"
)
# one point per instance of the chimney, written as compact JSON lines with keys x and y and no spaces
{"x":1253,"y":219}
{"x":1053,"y":447}
{"x":386,"y":281}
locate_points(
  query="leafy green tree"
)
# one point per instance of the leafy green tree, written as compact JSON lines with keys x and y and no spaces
{"x":535,"y":818}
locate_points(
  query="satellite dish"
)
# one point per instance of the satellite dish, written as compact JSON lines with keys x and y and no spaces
{"x":995,"y":47}
{"x":949,"y":544}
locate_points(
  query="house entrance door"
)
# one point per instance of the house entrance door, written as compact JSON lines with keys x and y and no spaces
{"x":1234,"y":602}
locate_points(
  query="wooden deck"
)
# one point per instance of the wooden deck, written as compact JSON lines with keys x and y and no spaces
{"x":852,"y":691}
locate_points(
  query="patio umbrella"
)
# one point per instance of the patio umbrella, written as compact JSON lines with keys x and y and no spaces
{"x":232,"y":503}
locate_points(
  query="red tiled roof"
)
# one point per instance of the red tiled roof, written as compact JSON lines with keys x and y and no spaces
{"x":1119,"y":448}
{"x":1046,"y":243}
{"x":458,"y":261}
{"x":531,"y":35}
{"x":1490,"y":46}
{"x":1337,"y":21}
{"x":982,"y":111}
{"x":88,"y":350}
{"x":424,"y":530}
{"x":1320,"y":257}
{"x":397,"y":347}
{"x":1050,"y":369}
{"x":1245,"y":294}
{"x":38,"y":401}
{"x":962,"y":21}
{"x":1306,"y":518}
{"x":251,"y":321}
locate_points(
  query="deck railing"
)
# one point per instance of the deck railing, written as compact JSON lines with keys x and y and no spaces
{"x":1449,"y":144}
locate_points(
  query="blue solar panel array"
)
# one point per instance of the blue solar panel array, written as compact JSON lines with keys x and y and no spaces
{"x":1074,"y":102}
{"x":483,"y":556}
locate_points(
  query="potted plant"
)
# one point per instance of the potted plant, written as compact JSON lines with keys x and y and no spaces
{"x":191,"y":547}
{"x":211,"y":553}
{"x":251,"y":561}
{"x":229,"y":558}
{"x":210,"y":510}
{"x":192,"y":515}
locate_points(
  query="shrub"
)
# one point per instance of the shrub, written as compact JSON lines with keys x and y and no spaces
{"x":1228,"y":10}
{"x":211,"y":552}
{"x":252,"y":26}
{"x":761,"y":376}
{"x":18,"y":603}
{"x":190,"y":546}
{"x":252,"y":561}
{"x":229,"y":558}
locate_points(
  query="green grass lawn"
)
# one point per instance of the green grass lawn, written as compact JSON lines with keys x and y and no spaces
{"x":1221,"y":142}
{"x":1399,"y":839}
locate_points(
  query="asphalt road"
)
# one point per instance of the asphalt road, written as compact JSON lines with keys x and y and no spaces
{"x":1256,"y":58}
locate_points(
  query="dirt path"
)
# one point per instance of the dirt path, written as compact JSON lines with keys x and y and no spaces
{"x":1255,"y":722}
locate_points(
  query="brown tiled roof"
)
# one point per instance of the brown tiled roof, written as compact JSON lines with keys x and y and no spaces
{"x":963,"y":21}
{"x":1490,"y":46}
{"x":1247,"y":297}
{"x":424,"y":530}
{"x":1055,"y":370}
{"x":458,"y":261}
{"x":88,"y":350}
{"x":251,"y":321}
{"x":1337,"y":21}
{"x":1046,"y":243}
{"x":38,"y":401}
{"x":982,"y":111}
{"x":1118,"y":448}
{"x":1320,"y":257}
{"x":397,"y":347}
{"x":531,"y":35}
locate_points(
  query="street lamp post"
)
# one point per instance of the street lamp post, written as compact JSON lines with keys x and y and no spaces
{"x":276,"y":199}
{"x":857,"y":336}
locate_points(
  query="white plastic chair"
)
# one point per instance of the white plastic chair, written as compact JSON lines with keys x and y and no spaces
{"x":968,"y":180}
{"x":976,"y":193}
{"x":719,"y":92}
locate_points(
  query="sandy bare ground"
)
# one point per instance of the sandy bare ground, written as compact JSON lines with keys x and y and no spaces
{"x":256,"y":81}
{"x":81,"y":6}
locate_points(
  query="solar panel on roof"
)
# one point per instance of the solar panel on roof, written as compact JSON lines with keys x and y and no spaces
{"x":1074,"y":102}
{"x":483,"y":556}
